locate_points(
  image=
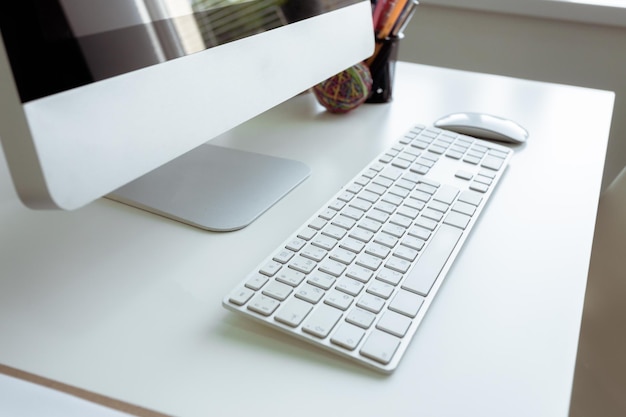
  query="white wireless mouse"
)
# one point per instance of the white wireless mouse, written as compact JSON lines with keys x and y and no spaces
{"x":484,"y":126}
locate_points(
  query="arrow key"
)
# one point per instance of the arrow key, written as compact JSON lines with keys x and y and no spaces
{"x":348,"y":336}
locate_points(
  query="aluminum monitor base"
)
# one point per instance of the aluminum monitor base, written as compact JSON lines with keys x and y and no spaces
{"x":214,"y":188}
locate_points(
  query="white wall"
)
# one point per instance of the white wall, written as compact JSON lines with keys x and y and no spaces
{"x":526,"y":47}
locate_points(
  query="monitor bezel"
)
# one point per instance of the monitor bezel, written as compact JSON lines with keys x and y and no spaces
{"x":56,"y":163}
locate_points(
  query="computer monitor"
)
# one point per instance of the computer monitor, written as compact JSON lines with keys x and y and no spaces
{"x":118,"y":98}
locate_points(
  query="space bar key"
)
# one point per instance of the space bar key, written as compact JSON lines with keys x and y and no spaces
{"x":429,"y":265}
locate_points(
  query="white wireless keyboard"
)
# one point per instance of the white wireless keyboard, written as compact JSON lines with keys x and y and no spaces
{"x":358,"y":277}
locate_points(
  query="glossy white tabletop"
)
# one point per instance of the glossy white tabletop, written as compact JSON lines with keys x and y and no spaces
{"x":127,"y":305}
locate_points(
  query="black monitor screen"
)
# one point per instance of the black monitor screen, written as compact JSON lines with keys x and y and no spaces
{"x":51,"y":50}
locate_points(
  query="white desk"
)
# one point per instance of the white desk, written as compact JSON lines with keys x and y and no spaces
{"x":126,"y":304}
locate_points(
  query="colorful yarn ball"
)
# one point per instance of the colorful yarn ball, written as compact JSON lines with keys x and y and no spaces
{"x":346,"y":90}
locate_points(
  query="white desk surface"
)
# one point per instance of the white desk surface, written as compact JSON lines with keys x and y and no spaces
{"x":127,"y":305}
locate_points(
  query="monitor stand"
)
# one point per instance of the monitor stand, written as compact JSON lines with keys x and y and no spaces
{"x":214,"y":188}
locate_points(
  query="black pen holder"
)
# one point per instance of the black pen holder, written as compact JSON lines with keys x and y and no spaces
{"x":382,"y":66}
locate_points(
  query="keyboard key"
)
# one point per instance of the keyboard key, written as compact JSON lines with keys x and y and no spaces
{"x":385,"y":182}
{"x":406,"y":253}
{"x":431,"y":214}
{"x":354,"y":188}
{"x":352,"y":213}
{"x":369,"y":262}
{"x":378,"y":215}
{"x":413,"y":243}
{"x":370,"y":225}
{"x":398,"y":264}
{"x":380,"y":346}
{"x":432,"y":260}
{"x":446,"y":194}
{"x":293,"y":312}
{"x":404,"y":183}
{"x":321,"y":279}
{"x":483,"y":179}
{"x":362,"y":234}
{"x":344,"y":222}
{"x":333,"y":231}
{"x":342,"y":255}
{"x":314,"y":253}
{"x":361,"y":318}
{"x":324,"y":242}
{"x":307,"y":233}
{"x":396,"y":229}
{"x":263,"y":305}
{"x":437,"y":149}
{"x":321,"y":321}
{"x":377,"y":167}
{"x":426,"y":188}
{"x":270,"y":268}
{"x":499,"y":153}
{"x":337,"y":205}
{"x":492,"y":162}
{"x":386,"y":240}
{"x":349,"y":286}
{"x":338,"y":299}
{"x":360,"y":273}
{"x":328,"y":214}
{"x":466,"y":175}
{"x":302,"y":264}
{"x":290,"y":277}
{"x":389,"y":276}
{"x":487,"y":173}
{"x":438,"y":206}
{"x":471,"y":198}
{"x":369,"y":196}
{"x":371,"y":303}
{"x":420,"y":196}
{"x":470,"y":159}
{"x":406,"y":303}
{"x":352,"y":245}
{"x":380,"y":289}
{"x":408,"y":211}
{"x":277,"y":290}
{"x":401,"y":163}
{"x":284,"y":256}
{"x":394,"y":323}
{"x":376,"y":189}
{"x":478,"y":186}
{"x":317,"y":223}
{"x":378,"y":250}
{"x":420,"y":232}
{"x":464,"y":208}
{"x":256,"y":282}
{"x":333,"y":268}
{"x":360,"y":204}
{"x":241,"y":296}
{"x":296,"y":244}
{"x":392,"y":173}
{"x":452,"y":153}
{"x":346,"y":196}
{"x":420,"y":169}
{"x":348,"y":336}
{"x":310,"y":293}
{"x":457,"y":219}
{"x":426,"y":223}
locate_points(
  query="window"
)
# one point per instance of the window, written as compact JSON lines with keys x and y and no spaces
{"x":605,"y":12}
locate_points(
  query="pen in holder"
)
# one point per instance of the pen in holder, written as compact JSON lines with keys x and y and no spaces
{"x":382,"y":66}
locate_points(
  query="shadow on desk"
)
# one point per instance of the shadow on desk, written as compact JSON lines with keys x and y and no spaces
{"x":600,"y":378}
